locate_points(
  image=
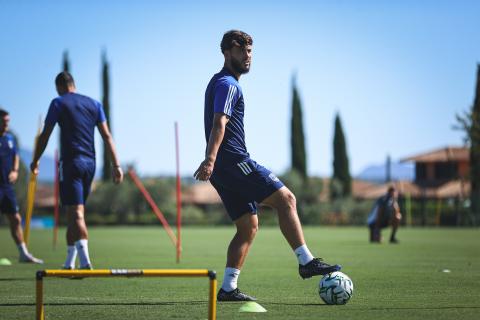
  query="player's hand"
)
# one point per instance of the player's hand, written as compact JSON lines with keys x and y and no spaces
{"x":117,"y":174}
{"x":34,"y":167}
{"x":205,"y":170}
{"x":13,"y":176}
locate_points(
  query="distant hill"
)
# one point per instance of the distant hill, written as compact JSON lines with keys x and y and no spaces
{"x":377,"y":173}
{"x":47,"y":165}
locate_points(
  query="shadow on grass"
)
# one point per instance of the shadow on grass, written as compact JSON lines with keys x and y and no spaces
{"x":373,"y":308}
{"x":17,"y":279}
{"x":166,"y":303}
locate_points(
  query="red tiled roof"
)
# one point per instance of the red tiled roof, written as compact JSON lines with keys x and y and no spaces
{"x":450,"y":153}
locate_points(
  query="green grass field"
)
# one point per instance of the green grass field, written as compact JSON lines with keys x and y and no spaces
{"x":402,"y":281}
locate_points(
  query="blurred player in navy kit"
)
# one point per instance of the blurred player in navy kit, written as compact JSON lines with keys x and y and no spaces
{"x":77,"y":115}
{"x":9,"y":165}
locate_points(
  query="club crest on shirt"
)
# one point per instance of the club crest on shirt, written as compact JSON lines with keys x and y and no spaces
{"x":10,"y":144}
{"x":273,"y":177}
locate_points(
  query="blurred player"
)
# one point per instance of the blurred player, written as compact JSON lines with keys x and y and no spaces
{"x":9,"y":165}
{"x":385,"y":212}
{"x":77,"y":115}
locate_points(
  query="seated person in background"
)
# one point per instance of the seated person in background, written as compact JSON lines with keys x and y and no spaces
{"x":385,"y":212}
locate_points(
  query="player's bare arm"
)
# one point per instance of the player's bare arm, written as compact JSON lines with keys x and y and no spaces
{"x":215,"y":139}
{"x":13,"y":175}
{"x":108,"y":139}
{"x":41,"y":145}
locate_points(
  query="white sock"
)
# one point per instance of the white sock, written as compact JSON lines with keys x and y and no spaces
{"x":71,"y":256}
{"x":22,"y":249}
{"x":82,"y":248}
{"x":230,"y":279}
{"x":304,"y":255}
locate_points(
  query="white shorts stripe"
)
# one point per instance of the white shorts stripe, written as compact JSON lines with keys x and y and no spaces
{"x":242,"y":168}
{"x":245,"y":168}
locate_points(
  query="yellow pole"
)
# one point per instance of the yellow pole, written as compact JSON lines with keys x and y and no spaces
{"x":212,"y":300}
{"x":32,"y":186}
{"x":40,"y":315}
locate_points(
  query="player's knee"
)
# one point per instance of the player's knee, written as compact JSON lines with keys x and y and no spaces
{"x":15,"y":220}
{"x":249,"y":232}
{"x":289,"y":200}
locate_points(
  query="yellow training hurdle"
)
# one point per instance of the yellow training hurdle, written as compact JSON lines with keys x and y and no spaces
{"x":212,"y":301}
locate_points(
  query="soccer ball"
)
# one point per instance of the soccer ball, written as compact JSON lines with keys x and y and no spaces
{"x":335,"y":288}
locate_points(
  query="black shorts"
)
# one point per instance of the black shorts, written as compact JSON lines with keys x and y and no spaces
{"x":8,"y":201}
{"x":75,"y":180}
{"x":243,"y":185}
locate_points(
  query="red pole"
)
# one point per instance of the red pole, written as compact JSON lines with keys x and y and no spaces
{"x":152,"y":204}
{"x":56,"y":191}
{"x":179,"y":196}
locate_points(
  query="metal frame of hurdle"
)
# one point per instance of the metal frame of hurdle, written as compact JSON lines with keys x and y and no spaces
{"x":212,"y":301}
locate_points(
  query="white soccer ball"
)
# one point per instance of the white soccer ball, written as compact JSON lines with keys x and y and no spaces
{"x":335,"y":288}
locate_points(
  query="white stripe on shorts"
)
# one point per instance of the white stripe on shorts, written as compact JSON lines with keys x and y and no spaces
{"x":244,"y":167}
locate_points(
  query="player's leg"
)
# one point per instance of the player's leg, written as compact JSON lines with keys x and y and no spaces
{"x":8,"y":204}
{"x":375,"y":233}
{"x":243,"y":214}
{"x":247,"y":226}
{"x":15,"y":222}
{"x":395,"y":222}
{"x":284,"y":202}
{"x":74,"y":177}
{"x":77,"y":234}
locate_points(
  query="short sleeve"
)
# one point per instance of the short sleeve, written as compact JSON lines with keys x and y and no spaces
{"x":101,"y":114}
{"x":226,"y":96}
{"x":52,"y":114}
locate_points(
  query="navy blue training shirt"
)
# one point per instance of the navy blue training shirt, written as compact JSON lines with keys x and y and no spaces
{"x":77,"y":116}
{"x":8,"y":151}
{"x":224,"y":95}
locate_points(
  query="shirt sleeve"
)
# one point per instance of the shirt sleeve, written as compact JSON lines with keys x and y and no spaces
{"x":226,"y":96}
{"x":101,"y":113}
{"x":14,"y":146}
{"x":52,"y":114}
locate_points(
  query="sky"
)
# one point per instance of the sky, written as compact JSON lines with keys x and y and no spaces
{"x":397,"y":72}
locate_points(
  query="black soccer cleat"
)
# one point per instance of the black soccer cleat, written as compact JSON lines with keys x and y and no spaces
{"x":234,"y":295}
{"x":317,"y":267}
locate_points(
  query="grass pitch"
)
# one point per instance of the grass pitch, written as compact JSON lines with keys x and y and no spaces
{"x":402,"y":281}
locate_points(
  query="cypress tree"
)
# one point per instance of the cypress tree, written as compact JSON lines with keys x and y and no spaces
{"x":66,"y":62}
{"x":475,"y":153}
{"x":388,"y":170}
{"x":341,"y":171}
{"x":297,"y":140}
{"x":107,"y":166}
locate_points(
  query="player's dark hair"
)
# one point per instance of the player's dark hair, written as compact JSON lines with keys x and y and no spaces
{"x":235,"y":38}
{"x":64,"y":79}
{"x":3,"y":113}
{"x":391,"y":189}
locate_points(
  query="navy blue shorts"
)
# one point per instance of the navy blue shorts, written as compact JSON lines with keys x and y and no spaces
{"x":8,"y":201}
{"x":243,"y":186}
{"x":76,"y":178}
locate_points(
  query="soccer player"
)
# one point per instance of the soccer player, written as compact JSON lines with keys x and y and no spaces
{"x":9,"y":165}
{"x":385,"y":212}
{"x":241,"y":182}
{"x":77,"y":115}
